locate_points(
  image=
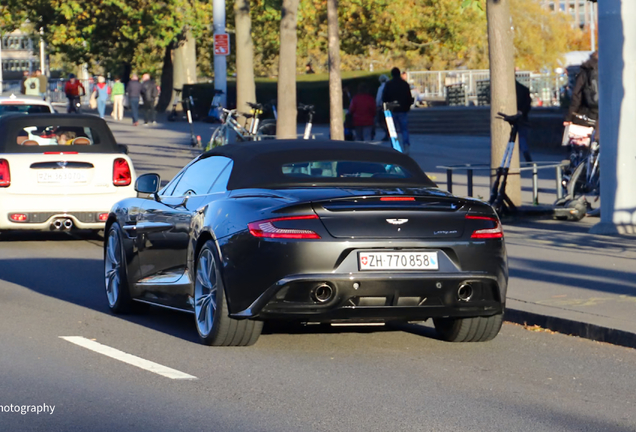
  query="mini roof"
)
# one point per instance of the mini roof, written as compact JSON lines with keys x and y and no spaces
{"x":259,"y":164}
{"x":10,"y":126}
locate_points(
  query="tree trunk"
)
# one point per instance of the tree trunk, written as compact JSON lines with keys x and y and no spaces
{"x":335,"y":82}
{"x":503,"y":96}
{"x":287,"y":114}
{"x":245,"y":86}
{"x":185,"y":61}
{"x":166,"y":80}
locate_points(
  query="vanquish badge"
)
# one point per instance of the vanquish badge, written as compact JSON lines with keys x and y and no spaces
{"x":397,"y":221}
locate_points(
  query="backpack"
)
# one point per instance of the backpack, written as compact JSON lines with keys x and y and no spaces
{"x":32,"y":85}
{"x":590,"y":90}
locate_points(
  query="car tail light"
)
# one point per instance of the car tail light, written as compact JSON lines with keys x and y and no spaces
{"x":266,"y":229}
{"x":58,"y":153}
{"x":121,"y":172}
{"x":397,"y":199}
{"x":487,"y":233}
{"x":103,"y":217}
{"x":18,"y":217}
{"x":5,"y":173}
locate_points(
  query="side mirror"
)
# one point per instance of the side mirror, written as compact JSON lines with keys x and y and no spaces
{"x":148,"y":183}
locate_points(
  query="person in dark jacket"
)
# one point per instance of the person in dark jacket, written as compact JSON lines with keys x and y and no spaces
{"x":133,"y":90}
{"x":398,"y":90}
{"x":585,"y":93}
{"x":149,"y":92}
{"x":524,"y":104}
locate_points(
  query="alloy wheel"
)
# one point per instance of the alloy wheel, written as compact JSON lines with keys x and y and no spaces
{"x":205,"y":292}
{"x":112,"y":265}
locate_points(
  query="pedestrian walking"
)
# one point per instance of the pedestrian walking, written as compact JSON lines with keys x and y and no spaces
{"x":44,"y":83}
{"x":102,"y":92}
{"x":524,"y":104}
{"x":149,"y":93}
{"x":585,"y":93}
{"x":118,"y":92}
{"x":134,"y":94}
{"x":398,"y":90}
{"x":32,"y":86}
{"x":363,"y":110}
{"x":379,"y":109}
{"x":74,"y":90}
{"x":25,"y":76}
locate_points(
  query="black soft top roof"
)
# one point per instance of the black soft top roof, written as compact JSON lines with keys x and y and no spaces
{"x":11,"y":125}
{"x":259,"y":164}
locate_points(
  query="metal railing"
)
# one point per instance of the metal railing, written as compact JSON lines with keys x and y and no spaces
{"x":433,"y":84}
{"x":526,"y":166}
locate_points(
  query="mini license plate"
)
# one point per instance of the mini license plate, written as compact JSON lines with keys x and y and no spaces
{"x":63,"y":176}
{"x":398,"y":261}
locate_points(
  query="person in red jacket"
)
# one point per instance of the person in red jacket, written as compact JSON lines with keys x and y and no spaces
{"x":363,"y":110}
{"x":72,"y":90}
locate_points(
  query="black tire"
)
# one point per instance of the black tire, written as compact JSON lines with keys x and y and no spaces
{"x":579,"y":188}
{"x":478,"y":329}
{"x":223,"y":330}
{"x":119,"y":302}
{"x":267,"y":130}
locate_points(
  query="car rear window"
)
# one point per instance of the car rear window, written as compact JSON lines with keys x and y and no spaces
{"x":6,"y":109}
{"x":329,"y":169}
{"x":55,"y":135}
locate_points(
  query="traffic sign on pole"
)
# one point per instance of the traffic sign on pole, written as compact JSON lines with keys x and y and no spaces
{"x":222,"y":44}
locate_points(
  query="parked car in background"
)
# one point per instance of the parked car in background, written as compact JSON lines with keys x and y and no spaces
{"x":24,"y":105}
{"x":60,"y":172}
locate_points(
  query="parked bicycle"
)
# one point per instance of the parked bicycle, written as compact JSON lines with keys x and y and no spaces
{"x":231,"y":129}
{"x":268,"y":127}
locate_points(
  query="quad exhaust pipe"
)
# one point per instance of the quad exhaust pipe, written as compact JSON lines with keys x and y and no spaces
{"x":465,"y":292}
{"x":323,"y":293}
{"x":62,"y":224}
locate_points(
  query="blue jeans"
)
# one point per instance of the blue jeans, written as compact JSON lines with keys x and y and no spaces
{"x":134,"y":108}
{"x":363,"y":133}
{"x":402,"y":125}
{"x":101,"y":107}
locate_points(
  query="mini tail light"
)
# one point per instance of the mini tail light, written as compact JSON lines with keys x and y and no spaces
{"x":397,"y":199}
{"x":5,"y":173}
{"x":18,"y":217}
{"x":487,"y":233}
{"x":266,"y":229}
{"x":103,"y":217}
{"x":121,"y":172}
{"x":59,"y":153}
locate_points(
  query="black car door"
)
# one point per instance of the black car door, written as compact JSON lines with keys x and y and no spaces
{"x":164,"y":227}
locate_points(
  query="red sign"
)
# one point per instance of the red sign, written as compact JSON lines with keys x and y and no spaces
{"x":222,"y":44}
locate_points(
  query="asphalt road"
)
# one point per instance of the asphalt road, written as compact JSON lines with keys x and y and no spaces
{"x":294,"y":379}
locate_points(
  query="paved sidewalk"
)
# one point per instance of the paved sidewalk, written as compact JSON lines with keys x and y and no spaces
{"x":561,"y":277}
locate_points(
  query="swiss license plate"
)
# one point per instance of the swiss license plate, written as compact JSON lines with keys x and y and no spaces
{"x":398,"y":261}
{"x":63,"y":176}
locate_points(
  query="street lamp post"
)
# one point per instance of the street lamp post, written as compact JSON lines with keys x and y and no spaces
{"x":617,"y":97}
{"x":220,"y":63}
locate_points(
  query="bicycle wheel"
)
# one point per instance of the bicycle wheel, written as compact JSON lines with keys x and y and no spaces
{"x":581,"y":185}
{"x":266,"y":130}
{"x":219,"y":138}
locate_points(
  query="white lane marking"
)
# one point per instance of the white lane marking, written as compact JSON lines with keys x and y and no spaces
{"x":128,"y":358}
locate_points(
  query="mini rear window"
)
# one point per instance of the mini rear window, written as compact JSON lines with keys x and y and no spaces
{"x":6,"y":109}
{"x":344,"y":169}
{"x":53,"y":135}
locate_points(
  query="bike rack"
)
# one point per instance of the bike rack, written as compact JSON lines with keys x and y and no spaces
{"x":526,"y":166}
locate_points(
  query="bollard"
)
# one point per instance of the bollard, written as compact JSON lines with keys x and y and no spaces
{"x":559,"y":182}
{"x":449,"y":180}
{"x":535,"y":184}
{"x":470,"y":182}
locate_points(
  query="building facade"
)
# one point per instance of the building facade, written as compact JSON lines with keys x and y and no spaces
{"x":19,"y":54}
{"x":581,"y":10}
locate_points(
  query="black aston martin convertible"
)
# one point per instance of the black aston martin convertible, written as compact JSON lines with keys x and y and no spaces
{"x":310,"y":231}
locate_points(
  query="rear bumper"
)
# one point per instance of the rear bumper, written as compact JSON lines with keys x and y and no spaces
{"x":43,"y":210}
{"x":378,"y":297}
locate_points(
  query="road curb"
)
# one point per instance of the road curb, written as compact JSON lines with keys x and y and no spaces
{"x":572,"y":328}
